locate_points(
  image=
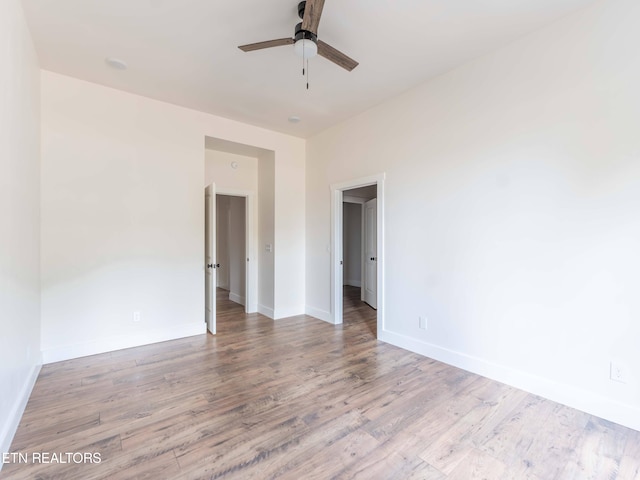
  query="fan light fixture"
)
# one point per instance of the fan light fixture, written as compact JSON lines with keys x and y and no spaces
{"x":306,"y":48}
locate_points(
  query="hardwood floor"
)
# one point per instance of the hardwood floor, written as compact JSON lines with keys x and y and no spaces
{"x":299,"y":398}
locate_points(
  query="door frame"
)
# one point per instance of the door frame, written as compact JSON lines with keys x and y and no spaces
{"x":337,"y":195}
{"x":251,"y":245}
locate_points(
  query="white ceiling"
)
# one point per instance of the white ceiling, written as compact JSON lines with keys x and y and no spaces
{"x":185,"y":51}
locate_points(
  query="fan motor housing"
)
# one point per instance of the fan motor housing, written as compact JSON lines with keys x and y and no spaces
{"x":301,"y":6}
{"x":304,"y":34}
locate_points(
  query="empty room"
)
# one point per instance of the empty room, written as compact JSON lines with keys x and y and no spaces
{"x":320,"y":239}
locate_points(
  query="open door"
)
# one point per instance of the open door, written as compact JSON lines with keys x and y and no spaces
{"x":370,"y":280}
{"x":209,"y":254}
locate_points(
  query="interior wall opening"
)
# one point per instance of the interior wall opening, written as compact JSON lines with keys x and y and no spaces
{"x":230,"y":250}
{"x":239,"y":188}
{"x":359,"y":262}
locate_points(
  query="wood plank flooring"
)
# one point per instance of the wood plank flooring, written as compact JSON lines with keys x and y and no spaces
{"x":302,"y":399}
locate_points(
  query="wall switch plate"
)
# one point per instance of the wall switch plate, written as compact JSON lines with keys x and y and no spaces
{"x":618,"y":372}
{"x":136,"y":316}
{"x":422,"y":322}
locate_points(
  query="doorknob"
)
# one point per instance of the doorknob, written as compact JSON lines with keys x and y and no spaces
{"x":217,"y":265}
{"x":209,"y":265}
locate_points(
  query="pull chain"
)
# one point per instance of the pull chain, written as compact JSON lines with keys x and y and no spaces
{"x":305,"y":71}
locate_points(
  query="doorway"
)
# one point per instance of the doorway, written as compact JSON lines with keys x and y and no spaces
{"x":359,"y":255}
{"x":230,"y":251}
{"x":367,"y":194}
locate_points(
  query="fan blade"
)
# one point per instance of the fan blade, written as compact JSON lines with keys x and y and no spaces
{"x":268,"y":44}
{"x":327,"y":51}
{"x":312,"y":14}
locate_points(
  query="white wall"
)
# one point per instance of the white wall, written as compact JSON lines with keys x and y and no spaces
{"x":352,"y":244}
{"x":122,"y":219}
{"x":217,"y":168}
{"x":266,"y":235}
{"x":512,"y":200}
{"x":289,"y":219}
{"x":20,"y":213}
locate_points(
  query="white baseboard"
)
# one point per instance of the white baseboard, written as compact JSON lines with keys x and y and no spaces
{"x":67,"y":352}
{"x":234,"y":297}
{"x":586,"y":401}
{"x":266,"y":311}
{"x":319,"y":314}
{"x":353,"y":283}
{"x":288,"y":312}
{"x":9,"y":429}
{"x":281,"y":313}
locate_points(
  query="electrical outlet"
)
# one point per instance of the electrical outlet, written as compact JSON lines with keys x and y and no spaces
{"x":618,"y":372}
{"x":422,"y":322}
{"x":137,"y":316}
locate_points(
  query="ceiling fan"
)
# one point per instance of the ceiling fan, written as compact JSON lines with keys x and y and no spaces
{"x":305,"y":39}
